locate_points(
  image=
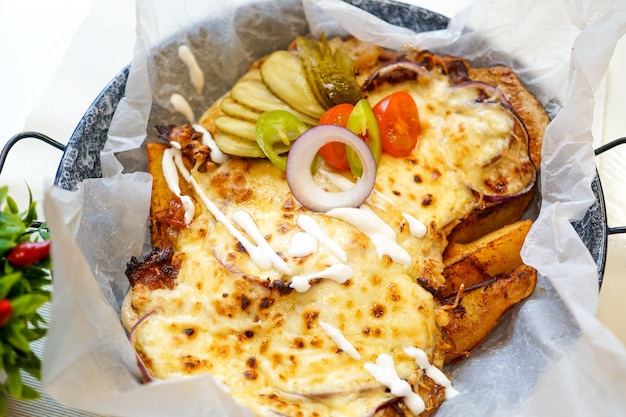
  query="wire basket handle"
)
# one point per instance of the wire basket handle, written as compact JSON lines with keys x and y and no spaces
{"x":600,"y":150}
{"x":24,"y":135}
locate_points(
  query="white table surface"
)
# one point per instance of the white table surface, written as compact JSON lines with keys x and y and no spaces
{"x":57,"y":56}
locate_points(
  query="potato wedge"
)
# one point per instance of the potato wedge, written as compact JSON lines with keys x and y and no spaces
{"x":165,"y":208}
{"x":480,"y":308}
{"x":482,"y":222}
{"x":494,"y":254}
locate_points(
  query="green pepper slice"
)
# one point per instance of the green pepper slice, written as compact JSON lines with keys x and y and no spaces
{"x":277,"y":126}
{"x":363,"y":122}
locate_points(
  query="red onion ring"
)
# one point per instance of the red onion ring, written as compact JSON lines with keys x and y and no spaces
{"x":491,"y":92}
{"x":141,"y":320}
{"x":394,"y":73}
{"x":521,"y":134}
{"x":520,"y":122}
{"x":145,"y":374}
{"x":301,"y":181}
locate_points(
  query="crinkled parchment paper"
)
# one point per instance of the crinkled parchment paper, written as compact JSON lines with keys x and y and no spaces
{"x":549,"y":357}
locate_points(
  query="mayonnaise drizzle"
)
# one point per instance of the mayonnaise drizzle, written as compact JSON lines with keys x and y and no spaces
{"x":309,"y":225}
{"x":339,"y":273}
{"x":340,"y":340}
{"x":259,"y":255}
{"x":195,"y":73}
{"x":171,"y":157}
{"x":256,"y":254}
{"x":337,"y":180}
{"x":182,"y":106}
{"x":384,"y":371}
{"x":416,"y":227}
{"x":244,"y":220}
{"x":383,"y":237}
{"x":431,"y":371}
{"x":217,"y":155}
{"x":344,"y":184}
{"x":302,"y":244}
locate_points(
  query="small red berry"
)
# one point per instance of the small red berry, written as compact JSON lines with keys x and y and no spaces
{"x":26,"y":254}
{"x":5,"y":311}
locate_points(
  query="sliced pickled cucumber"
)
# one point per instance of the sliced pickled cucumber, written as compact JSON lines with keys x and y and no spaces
{"x":233,"y":108}
{"x":238,"y":146}
{"x":236,"y":127}
{"x":284,"y":76}
{"x":307,"y":60}
{"x":330,"y":74}
{"x":254,"y":93}
{"x":252,"y":74}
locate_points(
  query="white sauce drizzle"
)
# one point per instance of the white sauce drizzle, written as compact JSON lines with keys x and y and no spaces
{"x":217,"y":155}
{"x":337,"y":180}
{"x":195,"y":73}
{"x":384,"y":371}
{"x":182,"y":106}
{"x":431,"y":371}
{"x":339,"y":273}
{"x":168,"y":164}
{"x":309,"y":225}
{"x":340,"y":340}
{"x":246,"y":222}
{"x":416,"y":227}
{"x":302,"y":244}
{"x":258,"y":255}
{"x":344,"y":184}
{"x":383,"y":237}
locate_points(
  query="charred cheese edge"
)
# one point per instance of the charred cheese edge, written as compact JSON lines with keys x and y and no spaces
{"x":239,"y":320}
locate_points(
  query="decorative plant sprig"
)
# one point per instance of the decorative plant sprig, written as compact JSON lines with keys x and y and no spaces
{"x":24,"y":287}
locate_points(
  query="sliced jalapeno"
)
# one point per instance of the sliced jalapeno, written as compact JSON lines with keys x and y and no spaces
{"x":277,"y":126}
{"x":363,"y":122}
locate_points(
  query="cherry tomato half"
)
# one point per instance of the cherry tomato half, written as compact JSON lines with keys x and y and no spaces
{"x":335,"y":153}
{"x":399,"y":124}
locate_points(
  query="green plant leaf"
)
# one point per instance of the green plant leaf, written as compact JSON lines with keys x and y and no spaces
{"x":29,"y":393}
{"x":4,"y":193}
{"x":12,"y":205}
{"x":27,"y":303}
{"x":14,"y":381}
{"x":6,"y":245}
{"x":31,"y":213}
{"x":3,"y":402}
{"x":16,"y":338}
{"x":11,"y":231}
{"x":28,"y":289}
{"x":7,"y":282}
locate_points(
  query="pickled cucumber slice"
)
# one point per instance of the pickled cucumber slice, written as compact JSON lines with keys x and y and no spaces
{"x":233,"y":108}
{"x":330,"y":74}
{"x":284,"y":76}
{"x":237,"y":146}
{"x":236,"y":127}
{"x":254,"y":93}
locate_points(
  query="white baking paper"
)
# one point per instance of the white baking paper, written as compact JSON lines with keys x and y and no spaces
{"x":549,"y":357}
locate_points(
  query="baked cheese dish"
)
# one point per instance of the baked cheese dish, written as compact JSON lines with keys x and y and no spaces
{"x":299,"y":312}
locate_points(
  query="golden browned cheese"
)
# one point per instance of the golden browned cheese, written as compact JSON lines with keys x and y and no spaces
{"x":269,"y":343}
{"x":229,"y":317}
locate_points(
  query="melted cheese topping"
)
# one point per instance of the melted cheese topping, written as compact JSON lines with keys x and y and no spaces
{"x":240,"y":319}
{"x":458,"y":138}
